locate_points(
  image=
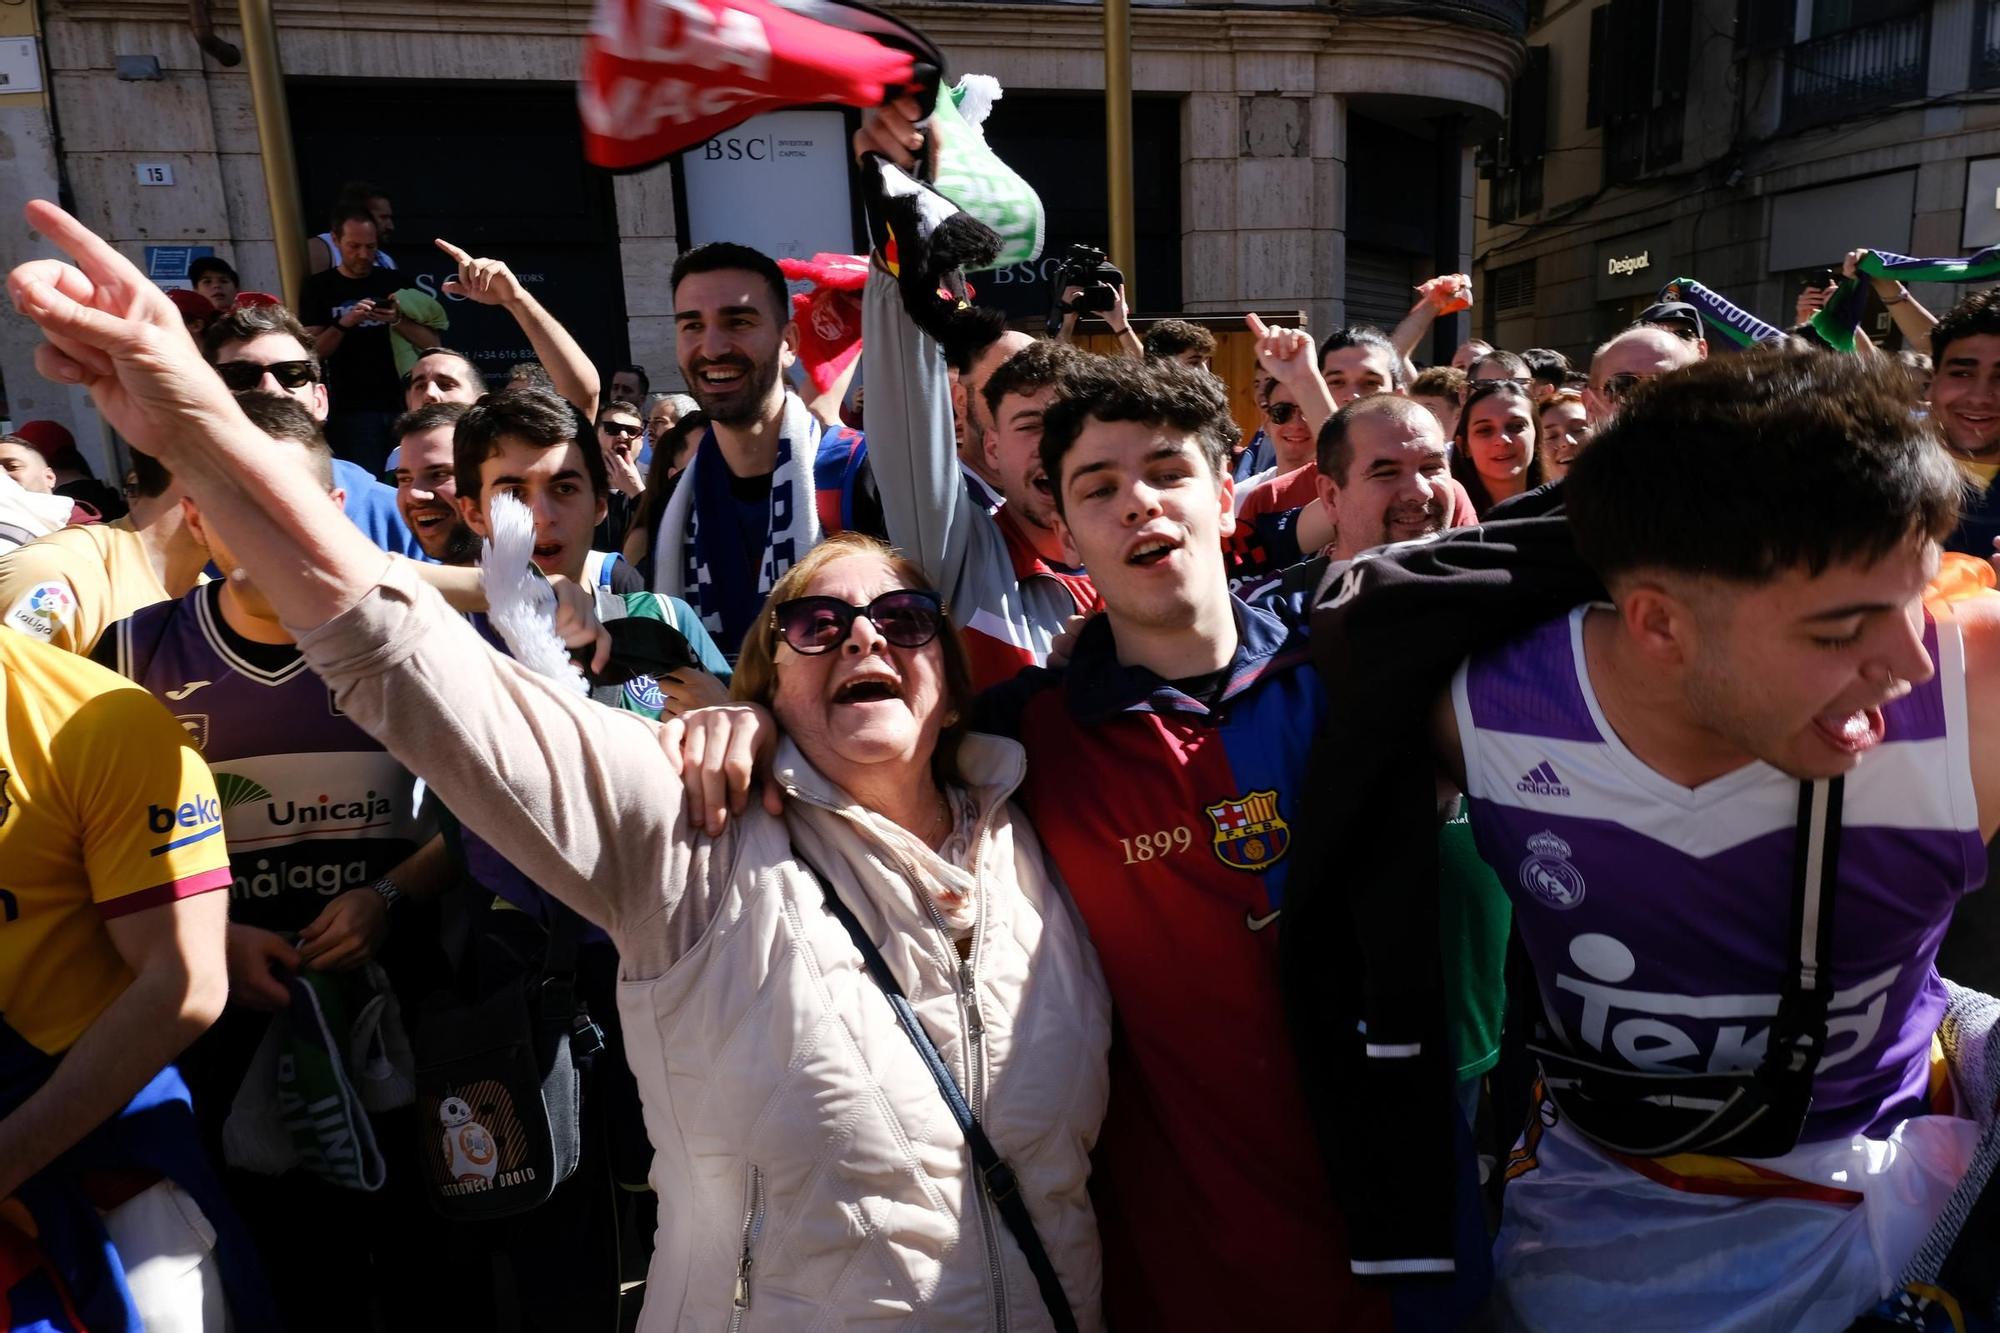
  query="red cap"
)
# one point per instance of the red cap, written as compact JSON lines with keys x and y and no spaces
{"x":192,"y":305}
{"x":256,"y":298}
{"x":50,"y":438}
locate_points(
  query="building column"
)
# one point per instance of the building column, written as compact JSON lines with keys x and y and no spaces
{"x":1275,"y":203}
{"x":1327,"y":308}
{"x":648,"y":242}
{"x":1209,"y":140}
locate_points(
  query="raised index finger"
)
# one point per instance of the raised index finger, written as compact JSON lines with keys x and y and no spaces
{"x":1255,"y":324}
{"x":110,"y":272}
{"x":452,"y":250}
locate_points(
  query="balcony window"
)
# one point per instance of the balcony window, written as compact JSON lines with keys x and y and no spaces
{"x":1845,"y":71}
{"x":1641,"y":84}
{"x":1986,"y":45}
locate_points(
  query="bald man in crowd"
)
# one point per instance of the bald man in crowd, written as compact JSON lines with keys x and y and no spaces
{"x":1643,"y":352}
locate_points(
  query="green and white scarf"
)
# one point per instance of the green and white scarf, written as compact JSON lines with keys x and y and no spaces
{"x":1837,"y":320}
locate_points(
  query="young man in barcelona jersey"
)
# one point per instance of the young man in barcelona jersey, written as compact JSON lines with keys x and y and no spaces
{"x":1166,"y":766}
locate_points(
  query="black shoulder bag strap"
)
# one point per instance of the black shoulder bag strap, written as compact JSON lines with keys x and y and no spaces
{"x":1798,"y":1033}
{"x":558,"y":1009}
{"x":994,"y":1173}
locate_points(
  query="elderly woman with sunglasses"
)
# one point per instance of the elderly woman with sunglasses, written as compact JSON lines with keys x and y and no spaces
{"x":779,"y":978}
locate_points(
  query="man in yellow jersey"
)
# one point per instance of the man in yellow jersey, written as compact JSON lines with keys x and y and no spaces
{"x":111,"y":961}
{"x":65,"y":588}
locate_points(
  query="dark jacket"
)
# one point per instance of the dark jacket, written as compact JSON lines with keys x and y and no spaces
{"x":1361,"y":932}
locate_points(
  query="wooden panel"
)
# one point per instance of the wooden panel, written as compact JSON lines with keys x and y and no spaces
{"x":1235,"y":353}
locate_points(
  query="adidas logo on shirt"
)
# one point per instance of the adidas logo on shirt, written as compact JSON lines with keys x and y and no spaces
{"x":1541,"y":780}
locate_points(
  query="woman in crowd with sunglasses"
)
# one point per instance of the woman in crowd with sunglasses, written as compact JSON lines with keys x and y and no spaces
{"x":1290,"y":436}
{"x":809,"y":1168}
{"x":1496,"y":451}
{"x":779,"y":972}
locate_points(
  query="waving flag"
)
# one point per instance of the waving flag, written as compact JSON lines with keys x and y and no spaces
{"x":663,"y":75}
{"x":829,"y":316}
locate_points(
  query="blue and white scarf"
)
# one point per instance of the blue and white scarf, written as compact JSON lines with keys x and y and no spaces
{"x":699,"y":557}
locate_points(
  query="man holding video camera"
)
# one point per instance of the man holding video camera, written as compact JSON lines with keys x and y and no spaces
{"x":1088,"y":281}
{"x":351,"y":310}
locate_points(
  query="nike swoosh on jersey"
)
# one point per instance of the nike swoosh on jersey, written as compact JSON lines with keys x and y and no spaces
{"x":187,"y":689}
{"x":1259,"y":922}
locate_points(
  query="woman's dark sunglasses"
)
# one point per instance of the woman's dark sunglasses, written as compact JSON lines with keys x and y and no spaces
{"x":1280,"y":413}
{"x":241,"y":375}
{"x":908,"y":618}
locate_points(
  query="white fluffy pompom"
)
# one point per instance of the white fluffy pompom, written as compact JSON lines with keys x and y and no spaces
{"x":976,"y":94}
{"x":520,"y":605}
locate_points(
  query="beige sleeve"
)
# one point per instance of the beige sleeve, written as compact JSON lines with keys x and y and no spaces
{"x":47,"y":592}
{"x":577,"y":796}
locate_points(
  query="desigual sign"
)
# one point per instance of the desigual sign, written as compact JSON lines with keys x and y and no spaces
{"x":1625,"y":266}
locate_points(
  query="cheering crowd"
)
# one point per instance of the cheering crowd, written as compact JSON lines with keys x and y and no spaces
{"x":1472,"y":853}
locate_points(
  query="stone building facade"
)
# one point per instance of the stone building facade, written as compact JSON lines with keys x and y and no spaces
{"x":1314,"y":155}
{"x":1746,"y":145}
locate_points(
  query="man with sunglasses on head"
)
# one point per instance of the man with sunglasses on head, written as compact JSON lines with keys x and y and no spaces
{"x":265,"y":347}
{"x":441,"y":375}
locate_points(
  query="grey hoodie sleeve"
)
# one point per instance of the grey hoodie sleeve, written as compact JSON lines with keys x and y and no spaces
{"x":925,"y":506}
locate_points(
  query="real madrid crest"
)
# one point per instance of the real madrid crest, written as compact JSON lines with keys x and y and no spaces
{"x":1547,"y":874}
{"x":1250,"y":834}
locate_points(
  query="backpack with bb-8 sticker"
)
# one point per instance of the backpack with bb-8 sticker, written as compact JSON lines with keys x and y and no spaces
{"x":500,"y":1091}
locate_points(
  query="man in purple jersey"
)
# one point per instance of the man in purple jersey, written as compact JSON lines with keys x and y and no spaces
{"x":325,"y":835}
{"x":1634,"y":775}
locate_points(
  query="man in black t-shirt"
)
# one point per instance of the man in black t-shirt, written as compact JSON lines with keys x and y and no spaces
{"x":351,"y":310}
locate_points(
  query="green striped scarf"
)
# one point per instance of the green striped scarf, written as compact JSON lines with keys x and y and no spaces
{"x":1721,"y":316}
{"x":1837,"y":320}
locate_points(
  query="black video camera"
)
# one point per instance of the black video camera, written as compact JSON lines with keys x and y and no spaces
{"x":1087,"y":267}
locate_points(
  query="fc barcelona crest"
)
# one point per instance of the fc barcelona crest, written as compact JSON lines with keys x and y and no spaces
{"x":1250,"y":834}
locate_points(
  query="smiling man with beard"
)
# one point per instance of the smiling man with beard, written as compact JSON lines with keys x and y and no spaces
{"x":747,"y":506}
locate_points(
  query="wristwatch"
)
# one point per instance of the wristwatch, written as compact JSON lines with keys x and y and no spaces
{"x":385,"y":889}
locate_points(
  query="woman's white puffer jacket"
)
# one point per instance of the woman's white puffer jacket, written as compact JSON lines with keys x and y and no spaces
{"x":809,"y":1172}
